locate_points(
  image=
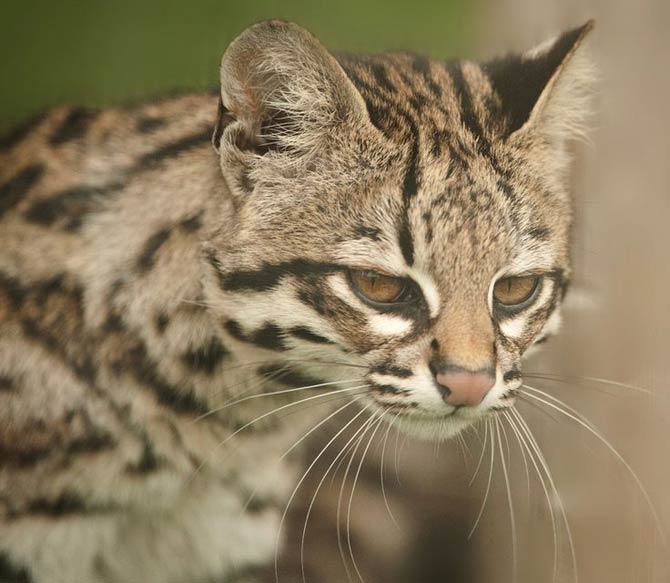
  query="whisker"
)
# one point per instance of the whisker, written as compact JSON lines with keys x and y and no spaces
{"x":481,"y":455}
{"x":273,"y":393}
{"x":314,"y":496}
{"x":488,"y":484}
{"x":381,"y":471}
{"x":302,"y":479}
{"x":586,"y":424}
{"x":572,"y":378}
{"x":552,"y":515}
{"x":353,"y":490}
{"x":368,"y":425}
{"x":509,"y":502}
{"x":543,"y":462}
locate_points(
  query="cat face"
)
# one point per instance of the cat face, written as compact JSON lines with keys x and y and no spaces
{"x":404,"y":218}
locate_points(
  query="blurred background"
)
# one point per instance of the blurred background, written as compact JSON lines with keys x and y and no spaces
{"x":617,"y":325}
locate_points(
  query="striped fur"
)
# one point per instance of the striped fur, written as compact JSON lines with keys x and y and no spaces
{"x":147,"y":280}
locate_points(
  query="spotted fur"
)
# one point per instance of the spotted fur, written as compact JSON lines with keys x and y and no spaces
{"x":147,"y":280}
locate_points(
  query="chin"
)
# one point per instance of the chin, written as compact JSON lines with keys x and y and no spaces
{"x":431,"y":427}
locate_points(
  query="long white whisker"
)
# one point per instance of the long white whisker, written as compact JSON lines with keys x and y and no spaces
{"x":353,"y":490}
{"x":481,"y":455}
{"x":543,"y":462}
{"x":571,"y":378}
{"x":381,"y":471}
{"x":273,"y":393}
{"x":509,"y":502}
{"x":488,"y":484}
{"x":316,"y":492}
{"x":586,"y":424}
{"x":302,"y":479}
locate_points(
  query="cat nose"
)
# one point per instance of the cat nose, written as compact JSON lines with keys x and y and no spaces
{"x":464,"y":387}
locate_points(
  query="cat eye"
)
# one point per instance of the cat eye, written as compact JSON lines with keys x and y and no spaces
{"x":378,"y":288}
{"x":514,"y":292}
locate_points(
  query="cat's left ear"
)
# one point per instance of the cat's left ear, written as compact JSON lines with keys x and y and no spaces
{"x":548,"y":88}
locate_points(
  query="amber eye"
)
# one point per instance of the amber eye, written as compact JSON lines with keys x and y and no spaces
{"x":378,"y":288}
{"x":512,"y":291}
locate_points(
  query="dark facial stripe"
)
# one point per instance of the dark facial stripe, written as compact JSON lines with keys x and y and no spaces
{"x":268,"y":276}
{"x":148,"y":461}
{"x":292,"y":378}
{"x":396,"y":371}
{"x":12,"y":192}
{"x":191,"y":224}
{"x":512,"y":375}
{"x":68,"y":207}
{"x":389,"y":389}
{"x":269,"y":336}
{"x":305,"y":333}
{"x":147,"y":258}
{"x":207,"y":358}
{"x":173,"y":149}
{"x":73,"y":126}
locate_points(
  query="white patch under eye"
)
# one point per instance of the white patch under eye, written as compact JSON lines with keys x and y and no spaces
{"x":388,"y":325}
{"x":514,"y":327}
{"x":428,"y":289}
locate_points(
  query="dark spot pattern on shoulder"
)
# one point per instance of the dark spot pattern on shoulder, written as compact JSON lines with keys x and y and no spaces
{"x":148,"y":124}
{"x":173,"y":149}
{"x":15,"y":135}
{"x":74,"y":126}
{"x":207,"y":358}
{"x":12,"y":191}
{"x":147,"y":257}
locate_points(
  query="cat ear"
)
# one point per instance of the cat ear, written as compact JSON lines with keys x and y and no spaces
{"x":548,"y":88}
{"x":283,"y":96}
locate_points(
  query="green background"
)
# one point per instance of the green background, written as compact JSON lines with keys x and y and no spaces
{"x":100,"y":52}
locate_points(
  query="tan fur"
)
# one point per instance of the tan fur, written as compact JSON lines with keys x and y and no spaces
{"x":146,"y":281}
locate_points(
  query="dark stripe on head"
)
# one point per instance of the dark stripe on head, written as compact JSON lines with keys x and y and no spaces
{"x":389,"y":389}
{"x":468,"y":116}
{"x":269,"y":336}
{"x":422,"y":65}
{"x":305,"y":333}
{"x":207,"y":358}
{"x":68,"y":207}
{"x":12,"y":191}
{"x":173,"y":149}
{"x":7,"y":384}
{"x":406,"y":242}
{"x":147,"y":258}
{"x":73,"y":126}
{"x":191,"y":224}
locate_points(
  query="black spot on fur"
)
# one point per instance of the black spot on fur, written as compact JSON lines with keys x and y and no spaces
{"x":112,"y":324}
{"x":7,"y":384}
{"x":147,"y":258}
{"x":74,"y":125}
{"x":269,"y":336}
{"x":207,"y":358}
{"x":12,"y":573}
{"x":192,"y":223}
{"x":148,"y":461}
{"x":512,"y":375}
{"x":368,"y":232}
{"x":149,"y":124}
{"x":389,"y":389}
{"x":539,"y":233}
{"x":305,"y":333}
{"x":68,"y":207}
{"x":173,"y":149}
{"x":162,"y":321}
{"x":12,"y":191}
{"x":60,"y":506}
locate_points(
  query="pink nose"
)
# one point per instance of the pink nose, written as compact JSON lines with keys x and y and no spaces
{"x":465,"y":388}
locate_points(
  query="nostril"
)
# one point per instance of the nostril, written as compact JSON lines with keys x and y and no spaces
{"x":464,"y":387}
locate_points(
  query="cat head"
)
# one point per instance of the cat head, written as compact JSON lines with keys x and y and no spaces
{"x":405,"y":217}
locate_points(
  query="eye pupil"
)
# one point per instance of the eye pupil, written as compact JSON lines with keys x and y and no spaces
{"x":513,"y":291}
{"x":376,"y":287}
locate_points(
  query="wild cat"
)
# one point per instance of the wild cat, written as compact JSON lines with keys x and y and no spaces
{"x":383,"y":235}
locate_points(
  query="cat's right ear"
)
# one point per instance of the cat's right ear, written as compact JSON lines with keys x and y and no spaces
{"x":284,"y":100}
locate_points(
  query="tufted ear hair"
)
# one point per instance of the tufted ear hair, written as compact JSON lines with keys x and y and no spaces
{"x":548,"y":88}
{"x":283,"y":97}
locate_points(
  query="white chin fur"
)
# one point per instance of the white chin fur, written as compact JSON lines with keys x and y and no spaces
{"x":433,"y":429}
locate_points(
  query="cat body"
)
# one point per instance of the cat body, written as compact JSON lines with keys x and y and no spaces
{"x":162,"y":263}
